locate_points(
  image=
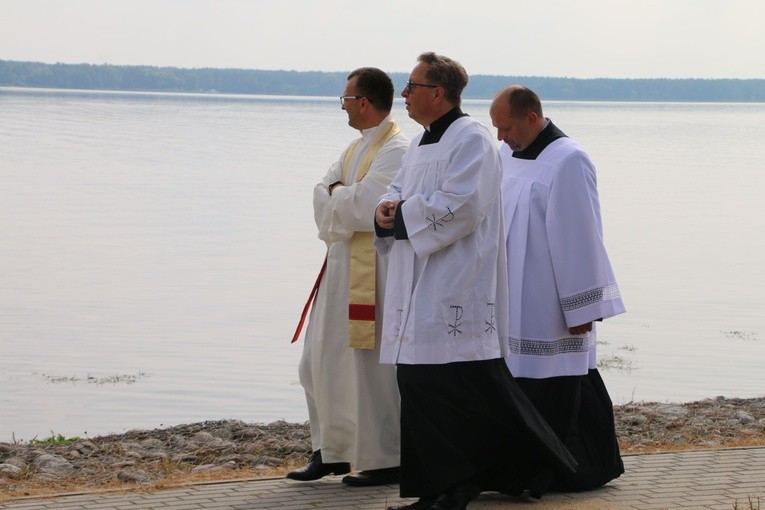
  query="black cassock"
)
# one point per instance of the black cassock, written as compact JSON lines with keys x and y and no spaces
{"x":471,"y":421}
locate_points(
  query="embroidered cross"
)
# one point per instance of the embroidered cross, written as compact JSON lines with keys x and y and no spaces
{"x":490,"y":322}
{"x":435,"y":223}
{"x":457,"y":318}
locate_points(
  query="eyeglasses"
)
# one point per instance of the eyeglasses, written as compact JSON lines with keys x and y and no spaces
{"x":343,"y":99}
{"x":410,"y":85}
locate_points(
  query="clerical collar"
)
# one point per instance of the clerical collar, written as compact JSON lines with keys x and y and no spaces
{"x":435,"y":131}
{"x":547,"y":136}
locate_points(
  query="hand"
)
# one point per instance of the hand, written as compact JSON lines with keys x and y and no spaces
{"x":386,"y":213}
{"x":333,"y":186}
{"x":581,"y":329}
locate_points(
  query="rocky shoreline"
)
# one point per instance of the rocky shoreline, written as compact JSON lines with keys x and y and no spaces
{"x":232,"y":449}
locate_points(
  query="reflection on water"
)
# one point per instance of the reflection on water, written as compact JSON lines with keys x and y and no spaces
{"x":157,"y":249}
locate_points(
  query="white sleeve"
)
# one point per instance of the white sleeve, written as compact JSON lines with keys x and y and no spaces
{"x":352,"y":206}
{"x":321,"y":206}
{"x":587,"y":288}
{"x":472,"y":177}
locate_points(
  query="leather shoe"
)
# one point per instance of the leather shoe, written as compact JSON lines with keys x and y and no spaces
{"x":316,"y":469}
{"x":457,"y":497}
{"x":420,"y":504}
{"x":371,"y":477}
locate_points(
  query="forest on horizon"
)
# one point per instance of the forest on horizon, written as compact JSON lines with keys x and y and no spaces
{"x":318,"y":83}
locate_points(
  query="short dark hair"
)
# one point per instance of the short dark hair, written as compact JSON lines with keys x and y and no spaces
{"x":447,"y":73}
{"x":375,"y":85}
{"x":522,"y":100}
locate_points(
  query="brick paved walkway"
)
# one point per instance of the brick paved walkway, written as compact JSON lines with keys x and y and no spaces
{"x":711,"y":479}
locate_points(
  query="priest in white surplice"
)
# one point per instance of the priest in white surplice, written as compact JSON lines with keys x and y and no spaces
{"x":560,"y":283}
{"x":353,"y":403}
{"x":465,"y":424}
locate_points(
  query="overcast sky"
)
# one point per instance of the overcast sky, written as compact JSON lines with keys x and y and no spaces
{"x":571,"y":38}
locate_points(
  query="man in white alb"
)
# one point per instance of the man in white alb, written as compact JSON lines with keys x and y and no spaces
{"x":560,"y":283}
{"x":353,"y":402}
{"x":465,"y":424}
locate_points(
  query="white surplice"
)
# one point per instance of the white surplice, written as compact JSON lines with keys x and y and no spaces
{"x":559,"y":274}
{"x":443,"y":303}
{"x":353,"y":403}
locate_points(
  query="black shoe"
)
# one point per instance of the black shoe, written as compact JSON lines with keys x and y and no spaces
{"x":316,"y":469}
{"x":420,"y":504}
{"x":372,"y":477}
{"x":457,"y":497}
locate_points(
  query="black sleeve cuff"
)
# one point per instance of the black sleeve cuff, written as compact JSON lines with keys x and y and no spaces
{"x":399,"y":229}
{"x":382,"y":232}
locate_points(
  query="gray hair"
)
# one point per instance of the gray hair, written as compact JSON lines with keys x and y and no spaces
{"x":446,"y":73}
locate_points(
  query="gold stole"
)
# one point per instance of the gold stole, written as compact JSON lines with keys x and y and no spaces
{"x":361,"y":288}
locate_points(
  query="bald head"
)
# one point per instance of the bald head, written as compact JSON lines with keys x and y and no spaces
{"x":516,"y":112}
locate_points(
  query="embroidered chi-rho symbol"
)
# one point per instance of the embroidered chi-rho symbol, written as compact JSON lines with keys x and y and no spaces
{"x":399,"y":320}
{"x":439,"y":222}
{"x":492,"y":328}
{"x":455,"y":328}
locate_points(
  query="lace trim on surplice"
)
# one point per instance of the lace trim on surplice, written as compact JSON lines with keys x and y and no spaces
{"x":530,"y":347}
{"x":589,"y":297}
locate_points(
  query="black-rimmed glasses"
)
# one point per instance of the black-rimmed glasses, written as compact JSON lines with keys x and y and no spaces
{"x":410,"y":85}
{"x":343,"y":99}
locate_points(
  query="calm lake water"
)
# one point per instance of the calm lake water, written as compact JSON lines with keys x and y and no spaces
{"x":156,"y":251}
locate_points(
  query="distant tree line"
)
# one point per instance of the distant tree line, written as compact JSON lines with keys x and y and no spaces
{"x":317,"y":83}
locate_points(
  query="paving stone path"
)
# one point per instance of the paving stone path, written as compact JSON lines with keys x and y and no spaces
{"x":731,"y":479}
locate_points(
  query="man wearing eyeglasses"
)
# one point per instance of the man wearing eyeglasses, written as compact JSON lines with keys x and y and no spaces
{"x":465,"y":424}
{"x":353,"y":403}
